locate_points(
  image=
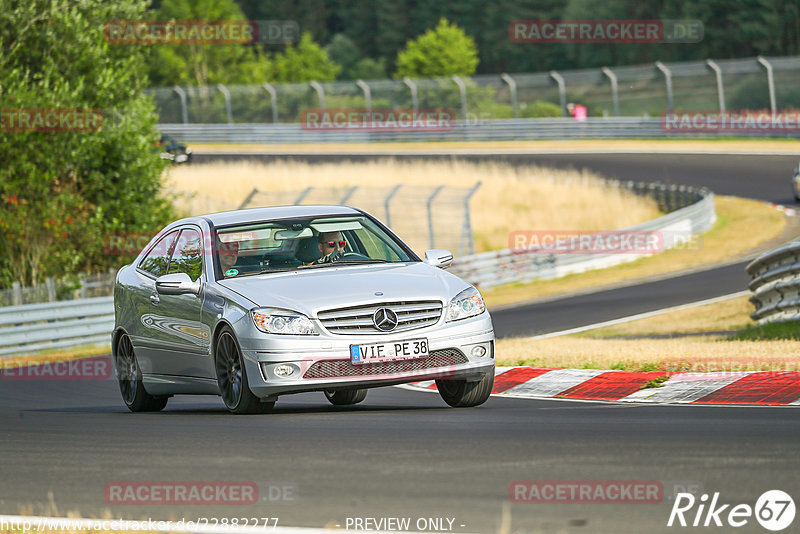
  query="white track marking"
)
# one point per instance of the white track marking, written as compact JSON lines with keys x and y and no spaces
{"x":638,"y":316}
{"x":686,"y":387}
{"x":552,"y":382}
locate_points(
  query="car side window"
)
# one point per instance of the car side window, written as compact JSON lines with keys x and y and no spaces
{"x":188,"y":255}
{"x":157,"y":260}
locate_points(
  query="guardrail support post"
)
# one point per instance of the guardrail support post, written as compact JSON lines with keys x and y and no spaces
{"x":720,"y":89}
{"x":614,"y":88}
{"x":16,"y":293}
{"x":562,"y":91}
{"x":512,"y":89}
{"x":227,"y":95}
{"x":462,"y":88}
{"x":429,"y":205}
{"x":51,"y":289}
{"x":668,"y":82}
{"x":273,"y":96}
{"x":386,"y":202}
{"x":367,"y":94}
{"x":184,"y":109}
{"x":320,"y":93}
{"x":770,"y":83}
{"x":413,"y":88}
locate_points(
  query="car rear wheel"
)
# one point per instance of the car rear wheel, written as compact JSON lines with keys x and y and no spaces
{"x":232,"y":377}
{"x":346,"y":397}
{"x":463,"y":394}
{"x":130,"y":380}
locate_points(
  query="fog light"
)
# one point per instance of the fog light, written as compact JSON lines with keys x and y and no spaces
{"x":478,"y":351}
{"x":283,"y":370}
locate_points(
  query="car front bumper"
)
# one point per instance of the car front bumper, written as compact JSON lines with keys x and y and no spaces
{"x":323,"y":362}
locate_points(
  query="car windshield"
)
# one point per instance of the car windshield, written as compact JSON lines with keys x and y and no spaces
{"x":309,"y":243}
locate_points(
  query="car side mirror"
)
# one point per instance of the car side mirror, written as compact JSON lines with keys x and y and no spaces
{"x":177,"y":284}
{"x":439,"y":258}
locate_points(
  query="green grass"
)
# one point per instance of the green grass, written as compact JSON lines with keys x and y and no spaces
{"x":788,"y":330}
{"x":657,"y":382}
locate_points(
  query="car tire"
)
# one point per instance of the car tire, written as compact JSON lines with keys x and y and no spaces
{"x":129,"y":377}
{"x":463,"y":394}
{"x":232,"y":377}
{"x":346,"y":397}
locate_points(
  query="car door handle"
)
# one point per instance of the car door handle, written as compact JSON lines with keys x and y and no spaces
{"x":154,"y":298}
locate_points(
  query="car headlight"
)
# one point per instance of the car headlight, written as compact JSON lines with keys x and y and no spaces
{"x":277,"y":321}
{"x":468,"y":303}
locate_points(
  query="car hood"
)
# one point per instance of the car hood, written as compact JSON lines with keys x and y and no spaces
{"x":312,"y":290}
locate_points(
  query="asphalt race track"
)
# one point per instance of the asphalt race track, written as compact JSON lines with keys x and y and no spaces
{"x":401,"y":454}
{"x":406,"y":454}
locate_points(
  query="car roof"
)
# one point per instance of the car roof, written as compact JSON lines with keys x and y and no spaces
{"x":226,"y":218}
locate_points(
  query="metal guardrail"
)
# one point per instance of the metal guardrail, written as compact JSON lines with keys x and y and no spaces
{"x":776,"y":285}
{"x":694,"y":213}
{"x":52,"y":325}
{"x":485,"y":130}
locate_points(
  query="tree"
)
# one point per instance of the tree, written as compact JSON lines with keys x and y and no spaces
{"x":443,"y":51}
{"x":204,"y":64}
{"x":305,"y":62}
{"x":63,"y":192}
{"x":344,"y":52}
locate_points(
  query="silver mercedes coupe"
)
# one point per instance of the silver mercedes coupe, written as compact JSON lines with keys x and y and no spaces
{"x":257,"y":303}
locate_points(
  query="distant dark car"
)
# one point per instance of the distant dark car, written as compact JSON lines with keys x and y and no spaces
{"x":173,"y":150}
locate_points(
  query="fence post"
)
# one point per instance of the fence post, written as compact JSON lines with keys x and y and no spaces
{"x":429,"y":204}
{"x":562,"y":91}
{"x":466,"y":231}
{"x":51,"y":289}
{"x":320,"y":93}
{"x":273,"y":96}
{"x":227,"y":95}
{"x":184,"y":109}
{"x":16,"y":293}
{"x":720,"y":89}
{"x":614,"y":88}
{"x":303,"y":195}
{"x":248,"y":198}
{"x":462,"y":88}
{"x":349,"y":194}
{"x":367,"y":94}
{"x":512,"y":89}
{"x":413,"y":88}
{"x":386,"y":203}
{"x":668,"y":81}
{"x":770,"y":83}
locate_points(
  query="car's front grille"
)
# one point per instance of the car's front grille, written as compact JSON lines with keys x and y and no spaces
{"x":358,"y":319}
{"x":340,"y":368}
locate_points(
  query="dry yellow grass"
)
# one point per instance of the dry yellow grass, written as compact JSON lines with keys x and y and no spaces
{"x":709,"y":353}
{"x":731,"y":236}
{"x":53,"y":356}
{"x":529,"y":198}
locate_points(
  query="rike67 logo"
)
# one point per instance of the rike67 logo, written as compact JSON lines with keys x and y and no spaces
{"x":774,"y":510}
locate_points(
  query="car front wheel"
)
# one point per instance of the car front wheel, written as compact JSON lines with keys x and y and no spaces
{"x":463,"y":394}
{"x":346,"y":397}
{"x":232,"y":377}
{"x":130,"y":380}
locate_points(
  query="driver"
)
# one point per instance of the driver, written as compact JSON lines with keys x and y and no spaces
{"x":331,"y":247}
{"x":228,"y":254}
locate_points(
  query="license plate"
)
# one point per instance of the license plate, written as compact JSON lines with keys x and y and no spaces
{"x":386,"y":352}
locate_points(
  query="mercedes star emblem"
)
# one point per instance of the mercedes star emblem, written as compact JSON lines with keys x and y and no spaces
{"x":384,"y":319}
